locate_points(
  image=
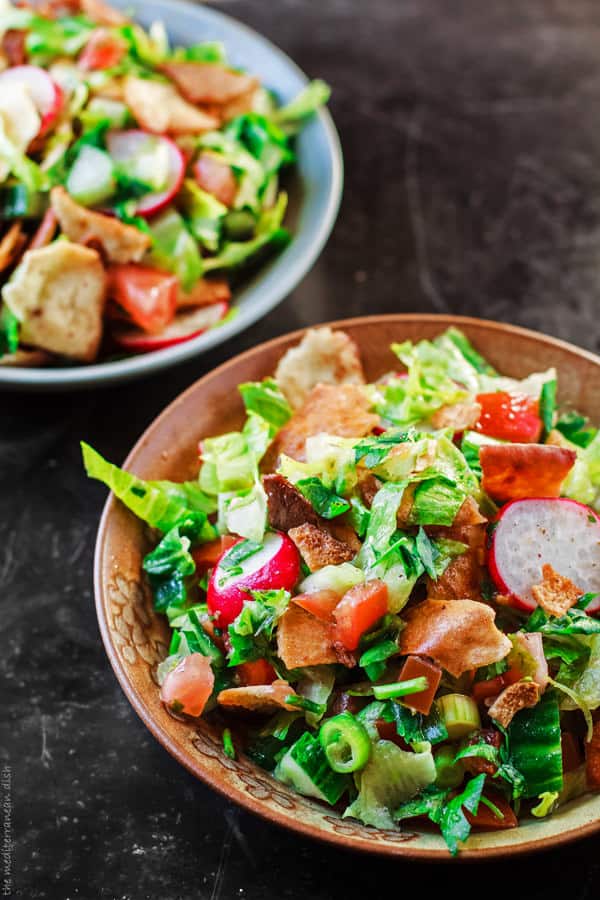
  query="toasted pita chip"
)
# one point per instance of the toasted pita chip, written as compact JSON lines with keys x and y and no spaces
{"x":304,"y":640}
{"x":287,"y":507}
{"x":159,"y":108}
{"x":318,"y":548}
{"x":323,"y":356}
{"x":209,"y":82}
{"x":556,"y":594}
{"x":121,"y":243}
{"x":205,"y":292}
{"x":457,"y":634}
{"x":516,"y":471}
{"x":522,"y":695}
{"x":102,"y":13}
{"x":258,"y":697}
{"x":462,"y":578}
{"x":457,"y":416}
{"x":342,"y":410}
{"x":592,"y":759}
{"x":11,"y":245}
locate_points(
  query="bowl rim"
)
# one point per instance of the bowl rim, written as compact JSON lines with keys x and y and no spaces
{"x":245,"y":800}
{"x":288,"y":273}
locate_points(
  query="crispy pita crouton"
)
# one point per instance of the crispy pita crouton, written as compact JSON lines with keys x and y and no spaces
{"x":27,"y":358}
{"x":457,"y":416}
{"x":456,"y":634}
{"x":318,"y":548}
{"x":205,"y":292}
{"x":368,"y":486}
{"x":102,"y":13}
{"x":287,"y":507}
{"x":592,"y":759}
{"x":11,"y":245}
{"x":159,"y":108}
{"x":556,"y":594}
{"x":517,"y":471}
{"x":462,"y":578}
{"x":342,"y":410}
{"x":522,"y":695}
{"x":304,"y":640}
{"x":58,"y":293}
{"x":121,"y":243}
{"x":258,"y":697}
{"x":208,"y":82}
{"x":323,"y":356}
{"x":239,"y":105}
{"x":341,"y":531}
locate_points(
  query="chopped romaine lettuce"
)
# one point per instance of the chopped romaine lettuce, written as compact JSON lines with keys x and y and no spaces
{"x":203,"y":213}
{"x":9,"y":331}
{"x":266,"y":400}
{"x":167,"y":567}
{"x":162,"y":504}
{"x":174,"y":248}
{"x":251,"y":632}
{"x":291,"y":117}
{"x":391,"y":777}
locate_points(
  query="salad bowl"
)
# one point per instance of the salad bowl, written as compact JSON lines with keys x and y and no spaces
{"x":136,"y":637}
{"x":314,"y":190}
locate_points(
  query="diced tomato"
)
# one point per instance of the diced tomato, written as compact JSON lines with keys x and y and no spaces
{"x":572,"y":757}
{"x":206,"y":556}
{"x":148,"y":295}
{"x":257,"y":672}
{"x":320,"y":603}
{"x":482,"y":690}
{"x":416,"y":667}
{"x":103,"y":51}
{"x":358,"y":610}
{"x":486,"y":819}
{"x":187,"y":688}
{"x":387,"y":732}
{"x":216,"y":177}
{"x":509,"y":417}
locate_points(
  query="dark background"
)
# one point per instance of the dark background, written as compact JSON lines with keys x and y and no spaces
{"x":471,"y":133}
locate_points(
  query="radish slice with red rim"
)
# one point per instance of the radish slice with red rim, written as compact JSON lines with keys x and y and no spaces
{"x":45,"y":93}
{"x":185,"y":326}
{"x":276,"y":565}
{"x":135,"y":149}
{"x":530,"y":533}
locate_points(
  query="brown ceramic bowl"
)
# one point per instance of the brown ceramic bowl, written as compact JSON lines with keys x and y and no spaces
{"x":136,"y":637}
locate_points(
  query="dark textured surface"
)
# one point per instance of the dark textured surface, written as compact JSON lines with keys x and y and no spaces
{"x":472,"y":150}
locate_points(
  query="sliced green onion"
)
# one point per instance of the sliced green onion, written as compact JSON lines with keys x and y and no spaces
{"x":492,"y":806}
{"x":400,"y":688}
{"x":304,"y":703}
{"x":346,"y":743}
{"x":228,"y":747}
{"x":459,"y":714}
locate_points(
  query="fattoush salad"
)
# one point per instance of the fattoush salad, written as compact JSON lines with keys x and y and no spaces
{"x":388,"y":593}
{"x":137,"y":180}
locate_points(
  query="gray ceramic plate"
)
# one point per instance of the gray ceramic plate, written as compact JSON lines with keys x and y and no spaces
{"x":315,"y":193}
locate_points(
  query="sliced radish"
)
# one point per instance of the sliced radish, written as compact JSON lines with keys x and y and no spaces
{"x":275,"y":566}
{"x":184,"y":327}
{"x":530,"y":533}
{"x":44,"y":91}
{"x":149,"y":157}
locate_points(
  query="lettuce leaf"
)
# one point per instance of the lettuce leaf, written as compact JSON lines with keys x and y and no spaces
{"x":174,"y":248}
{"x":587,"y":686}
{"x":203,"y":214}
{"x":292,"y":116}
{"x":167,"y":567}
{"x":391,"y":777}
{"x":266,"y":400}
{"x":251,"y":632}
{"x":9,"y":331}
{"x":162,"y":504}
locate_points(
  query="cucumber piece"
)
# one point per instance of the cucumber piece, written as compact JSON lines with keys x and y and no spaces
{"x":333,"y":578}
{"x":91,"y":179}
{"x":17,"y":201}
{"x":101,"y":108}
{"x":306,"y":769}
{"x":239,"y":225}
{"x":535,"y":748}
